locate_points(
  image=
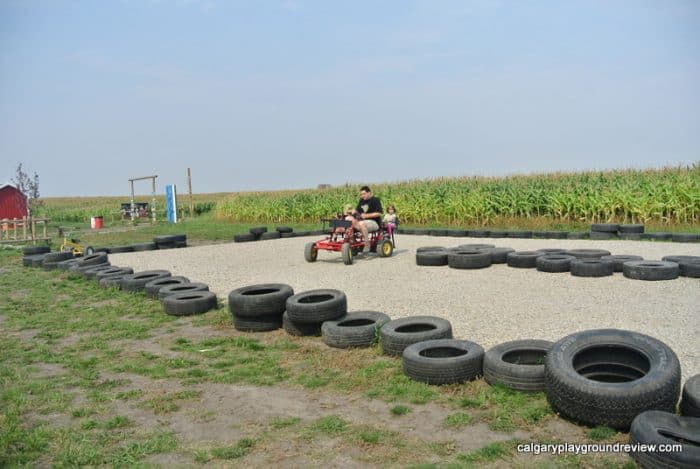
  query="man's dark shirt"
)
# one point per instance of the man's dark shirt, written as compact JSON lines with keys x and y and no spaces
{"x":371,"y":205}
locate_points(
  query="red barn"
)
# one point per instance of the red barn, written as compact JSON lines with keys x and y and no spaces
{"x":13,"y":204}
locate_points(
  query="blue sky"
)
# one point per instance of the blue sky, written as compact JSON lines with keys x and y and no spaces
{"x":256,"y":95}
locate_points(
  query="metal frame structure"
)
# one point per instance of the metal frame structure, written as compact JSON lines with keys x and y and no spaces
{"x":153,"y":204}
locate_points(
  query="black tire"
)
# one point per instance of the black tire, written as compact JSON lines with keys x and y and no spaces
{"x":66,"y":265}
{"x":270,"y":235}
{"x":517,"y":365}
{"x":284,"y":229}
{"x":174,"y":238}
{"x":443,"y":361}
{"x":549,"y":251}
{"x":520,"y":234}
{"x":385,"y":248}
{"x":81,"y":270}
{"x":398,"y":334}
{"x":93,"y":259}
{"x":258,"y":324}
{"x":58,"y":256}
{"x":627,"y":229}
{"x":153,"y":287}
{"x":431,"y":258}
{"x":619,"y":260}
{"x":303,"y":233}
{"x":288,"y":235}
{"x":609,"y":376}
{"x":661,"y":236}
{"x":431,"y":248}
{"x":112,"y":281}
{"x":31,"y":250}
{"x":144,"y":247}
{"x":523,"y":259}
{"x":540,"y":234}
{"x":557,"y":235}
{"x":631,"y":236}
{"x":89,"y":250}
{"x":421,"y":232}
{"x":316,"y":306}
{"x":92,"y":273}
{"x":113,"y":270}
{"x":457,"y":233}
{"x":591,"y":268}
{"x":576,"y":235}
{"x":346,"y":254}
{"x":169,"y":290}
{"x":605,"y":228}
{"x":686,"y":268}
{"x":257,"y":231}
{"x":310,"y":252}
{"x":121,"y":249}
{"x":498,"y":234}
{"x":475,"y":246}
{"x":137,"y":281}
{"x":650,"y":270}
{"x":679,"y":259}
{"x":499,"y":255}
{"x":479,"y":233}
{"x":662,"y":428}
{"x":267,"y":299}
{"x":685,"y":238}
{"x":299,"y":329}
{"x":163,"y":246}
{"x":243,"y":238}
{"x":357,"y":329}
{"x":588,"y":253}
{"x":600,"y":235}
{"x":554,"y":263}
{"x":690,"y":398}
{"x":438,"y":232}
{"x":469,"y":259}
{"x":105,"y":250}
{"x":29,"y":260}
{"x":181,"y":304}
{"x":181,"y":244}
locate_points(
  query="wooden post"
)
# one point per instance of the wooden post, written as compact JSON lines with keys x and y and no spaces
{"x":189,"y":186}
{"x":45,"y":223}
{"x":133,"y":207}
{"x":153,"y":206}
{"x":24,"y":227}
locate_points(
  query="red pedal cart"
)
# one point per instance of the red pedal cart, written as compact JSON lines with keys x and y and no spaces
{"x":349,"y":242}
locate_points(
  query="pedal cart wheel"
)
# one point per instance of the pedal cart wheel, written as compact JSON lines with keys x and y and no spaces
{"x":89,"y":251}
{"x":385,"y":248}
{"x":346,"y":254}
{"x":310,"y":252}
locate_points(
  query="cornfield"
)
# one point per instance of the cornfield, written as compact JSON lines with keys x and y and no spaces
{"x":669,"y":195}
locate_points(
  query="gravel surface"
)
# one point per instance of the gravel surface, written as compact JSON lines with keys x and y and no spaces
{"x":487,"y":306}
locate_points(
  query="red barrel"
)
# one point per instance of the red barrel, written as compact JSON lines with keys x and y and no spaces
{"x":96,"y":222}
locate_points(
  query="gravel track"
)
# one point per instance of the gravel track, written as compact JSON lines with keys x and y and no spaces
{"x":487,"y":306}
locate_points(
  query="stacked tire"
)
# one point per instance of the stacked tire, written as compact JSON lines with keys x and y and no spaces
{"x":259,"y":308}
{"x":307,"y":311}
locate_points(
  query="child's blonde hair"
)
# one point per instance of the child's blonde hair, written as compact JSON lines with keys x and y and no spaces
{"x":347,"y":209}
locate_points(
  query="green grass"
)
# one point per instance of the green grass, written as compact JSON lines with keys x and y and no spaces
{"x":601,"y":433}
{"x":60,"y":405}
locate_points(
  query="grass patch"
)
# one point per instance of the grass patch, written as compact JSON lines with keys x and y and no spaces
{"x":284,"y":422}
{"x":233,"y":452}
{"x":488,"y":453}
{"x":400,"y":410}
{"x":458,"y":420}
{"x":601,"y":432}
{"x":166,"y":403}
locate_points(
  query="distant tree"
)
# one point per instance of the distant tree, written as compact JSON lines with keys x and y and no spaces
{"x":29,"y":186}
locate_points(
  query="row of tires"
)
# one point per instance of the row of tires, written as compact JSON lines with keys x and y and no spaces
{"x":579,"y":262}
{"x":159,"y":242}
{"x":524,"y":234}
{"x":599,"y":377}
{"x":260,"y":233}
{"x":178,"y":295}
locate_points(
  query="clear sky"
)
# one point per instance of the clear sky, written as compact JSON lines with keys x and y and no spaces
{"x":256,"y":95}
